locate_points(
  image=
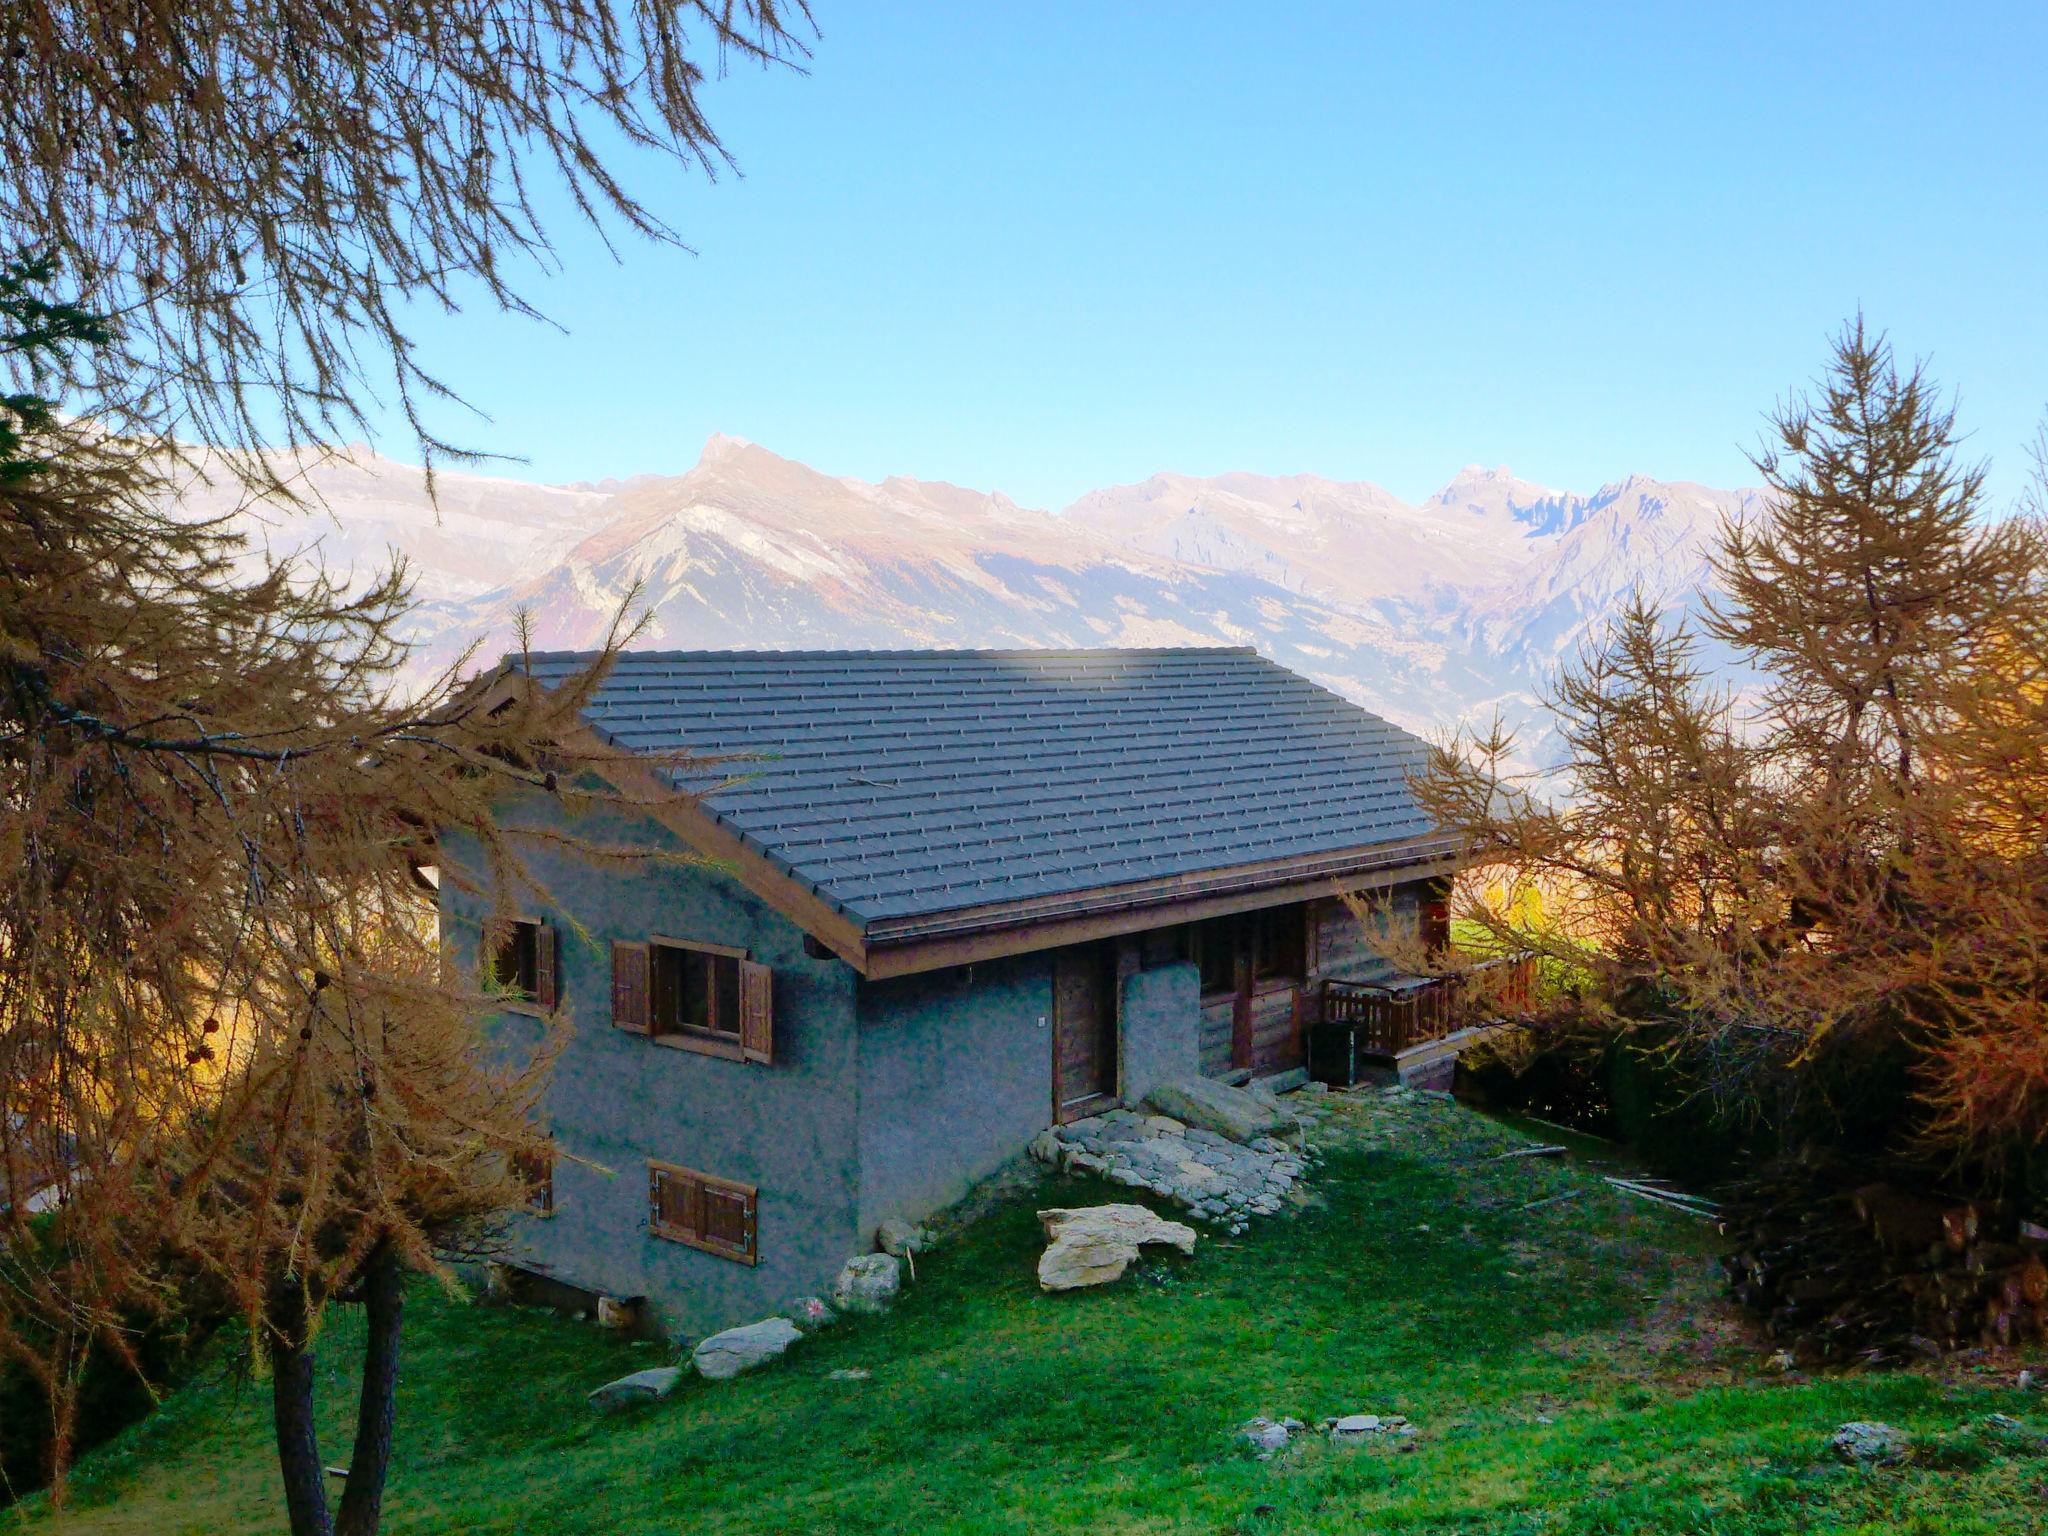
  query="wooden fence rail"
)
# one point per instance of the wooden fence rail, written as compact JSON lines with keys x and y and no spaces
{"x":1386,"y":1020}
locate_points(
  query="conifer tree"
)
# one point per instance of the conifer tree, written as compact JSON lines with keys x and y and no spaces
{"x":225,"y":1025}
{"x":1848,"y":869}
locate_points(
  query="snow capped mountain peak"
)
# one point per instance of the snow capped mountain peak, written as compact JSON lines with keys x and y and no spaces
{"x":1428,"y":614}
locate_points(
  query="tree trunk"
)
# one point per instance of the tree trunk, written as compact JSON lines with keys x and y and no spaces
{"x":291,"y":1407}
{"x":362,"y":1501}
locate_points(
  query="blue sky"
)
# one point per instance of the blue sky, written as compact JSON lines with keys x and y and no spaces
{"x":1041,"y":248}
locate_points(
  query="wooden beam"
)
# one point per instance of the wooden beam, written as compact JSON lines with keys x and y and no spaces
{"x":918,"y":956}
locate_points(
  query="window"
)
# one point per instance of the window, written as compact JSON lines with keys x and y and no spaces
{"x":1217,"y":945}
{"x":520,"y":959}
{"x":697,"y":991}
{"x":1279,"y":944}
{"x":702,"y":997}
{"x":702,"y":1211}
{"x":1269,"y":945}
{"x":536,"y":1170}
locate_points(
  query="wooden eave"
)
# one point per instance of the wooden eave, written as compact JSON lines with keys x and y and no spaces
{"x":906,"y":947}
{"x":963,"y":936}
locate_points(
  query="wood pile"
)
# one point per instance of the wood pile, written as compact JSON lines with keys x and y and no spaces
{"x":1880,"y":1273}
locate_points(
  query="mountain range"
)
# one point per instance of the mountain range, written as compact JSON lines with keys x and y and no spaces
{"x":1429,"y":614}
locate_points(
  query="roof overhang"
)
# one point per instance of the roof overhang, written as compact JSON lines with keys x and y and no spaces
{"x":907,"y":946}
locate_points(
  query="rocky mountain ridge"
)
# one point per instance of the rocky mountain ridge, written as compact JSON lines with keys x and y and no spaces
{"x":1430,"y":614}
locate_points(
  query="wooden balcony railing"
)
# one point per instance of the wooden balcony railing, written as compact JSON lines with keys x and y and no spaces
{"x":1385,"y":1019}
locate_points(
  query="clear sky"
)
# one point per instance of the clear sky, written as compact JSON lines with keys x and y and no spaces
{"x":1049,"y":246}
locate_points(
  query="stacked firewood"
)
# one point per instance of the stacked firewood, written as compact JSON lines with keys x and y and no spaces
{"x":1879,"y":1273}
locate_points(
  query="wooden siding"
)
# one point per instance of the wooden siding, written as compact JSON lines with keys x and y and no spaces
{"x":1276,"y":1033}
{"x":1341,"y":948}
{"x":1218,"y":1017}
{"x":1267,"y":1030}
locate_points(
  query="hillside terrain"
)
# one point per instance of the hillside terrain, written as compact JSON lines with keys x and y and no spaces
{"x":1429,"y":614}
{"x":1563,"y":1352}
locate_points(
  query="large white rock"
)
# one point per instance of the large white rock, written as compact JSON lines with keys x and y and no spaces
{"x":1095,"y":1244}
{"x":727,"y":1354}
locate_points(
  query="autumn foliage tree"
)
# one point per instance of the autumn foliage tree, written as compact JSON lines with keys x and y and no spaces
{"x":1835,"y":879}
{"x":225,"y":1024}
{"x":223,"y":1021}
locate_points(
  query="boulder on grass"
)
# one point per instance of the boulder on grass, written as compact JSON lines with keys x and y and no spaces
{"x":1206,"y":1104}
{"x":636,"y":1390}
{"x":1096,"y":1244}
{"x":897,"y":1236}
{"x":1865,"y":1444}
{"x":725,"y":1355}
{"x":868,"y":1283}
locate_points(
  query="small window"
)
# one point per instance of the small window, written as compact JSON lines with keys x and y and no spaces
{"x":703,"y":1211}
{"x":696,"y":991}
{"x":536,"y":1170}
{"x":520,"y":960}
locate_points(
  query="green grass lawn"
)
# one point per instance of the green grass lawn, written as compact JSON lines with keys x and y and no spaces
{"x":1571,"y":1369}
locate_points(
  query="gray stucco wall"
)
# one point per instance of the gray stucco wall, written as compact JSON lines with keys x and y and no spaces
{"x":955,"y":1078}
{"x":1162,"y":1027}
{"x":617,"y":1099}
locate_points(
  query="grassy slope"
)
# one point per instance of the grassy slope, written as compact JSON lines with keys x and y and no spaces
{"x":1569,"y":1367}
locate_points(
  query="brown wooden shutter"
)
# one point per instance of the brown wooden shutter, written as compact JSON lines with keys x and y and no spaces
{"x":729,"y":1221}
{"x":630,"y":989}
{"x":546,"y":988}
{"x":757,"y":1012}
{"x":690,"y":1213}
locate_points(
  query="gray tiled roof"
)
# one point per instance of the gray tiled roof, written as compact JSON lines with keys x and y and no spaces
{"x":901,"y":784}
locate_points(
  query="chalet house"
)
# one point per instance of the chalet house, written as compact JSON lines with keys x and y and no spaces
{"x":953,"y":897}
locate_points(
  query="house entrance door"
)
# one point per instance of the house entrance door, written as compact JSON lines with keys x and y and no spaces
{"x":1084,"y":1035}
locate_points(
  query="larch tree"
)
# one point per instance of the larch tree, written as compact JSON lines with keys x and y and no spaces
{"x":225,"y":1024}
{"x":258,"y":197}
{"x":224,"y":1020}
{"x":1843,"y":870}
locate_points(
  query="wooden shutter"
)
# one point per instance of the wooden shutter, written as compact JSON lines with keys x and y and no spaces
{"x":728,"y":1226}
{"x":757,"y":1012}
{"x":537,"y":1171}
{"x":668,"y":1200}
{"x":701,"y":1211}
{"x":546,"y":988}
{"x":630,"y":987}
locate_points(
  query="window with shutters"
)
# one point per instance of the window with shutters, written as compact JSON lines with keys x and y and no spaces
{"x":520,"y":960}
{"x":703,"y":1211}
{"x":700,"y":997}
